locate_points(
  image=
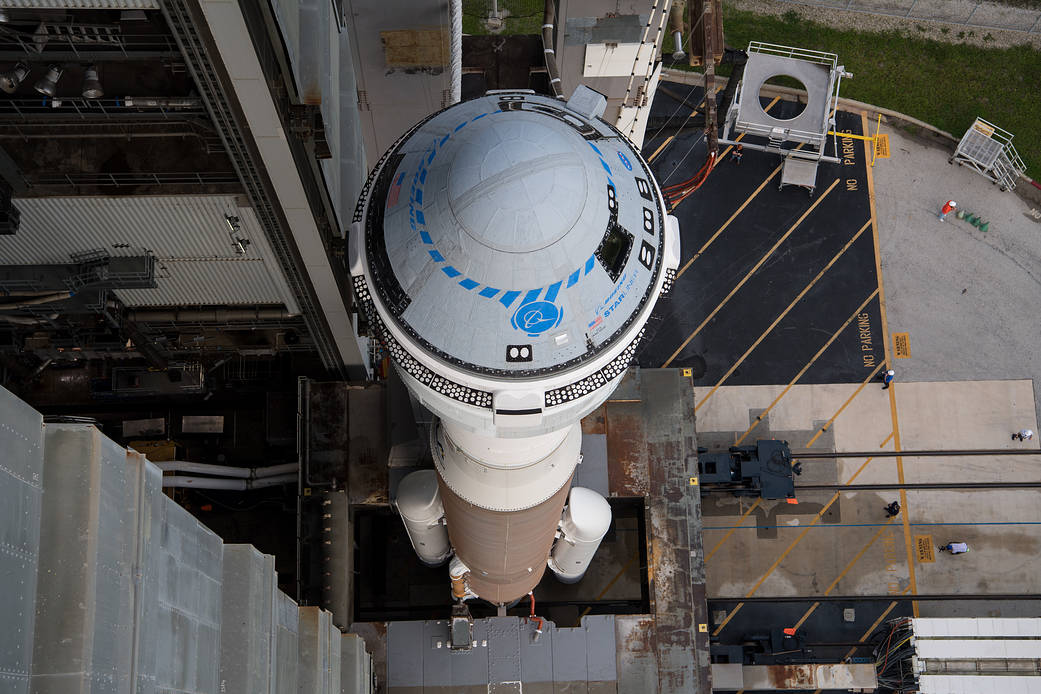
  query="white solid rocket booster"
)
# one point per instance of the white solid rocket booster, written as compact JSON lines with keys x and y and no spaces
{"x":508,"y":252}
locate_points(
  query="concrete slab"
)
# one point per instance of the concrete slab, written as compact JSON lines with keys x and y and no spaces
{"x":966,"y":298}
{"x":859,"y":551}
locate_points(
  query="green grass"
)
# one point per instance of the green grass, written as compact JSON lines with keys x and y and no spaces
{"x":522,"y":16}
{"x":946,"y":85}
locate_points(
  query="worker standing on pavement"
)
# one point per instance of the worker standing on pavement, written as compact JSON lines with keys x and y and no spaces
{"x":1023,"y":435}
{"x":946,"y":209}
{"x":887,"y":377}
{"x":738,"y":153}
{"x":893,"y":509}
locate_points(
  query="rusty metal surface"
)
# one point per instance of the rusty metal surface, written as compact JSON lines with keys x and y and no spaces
{"x":593,"y":423}
{"x":627,"y":471}
{"x":367,"y":479}
{"x":652,"y":452}
{"x":637,"y":664}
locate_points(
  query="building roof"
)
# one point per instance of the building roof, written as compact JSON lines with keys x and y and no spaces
{"x":196,"y":248}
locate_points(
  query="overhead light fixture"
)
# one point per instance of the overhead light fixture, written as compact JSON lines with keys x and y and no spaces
{"x":48,"y":84}
{"x":91,"y":84}
{"x":10,"y":80}
{"x":4,"y":17}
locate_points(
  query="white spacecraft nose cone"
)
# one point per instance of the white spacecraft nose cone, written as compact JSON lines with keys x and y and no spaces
{"x":508,"y":252}
{"x":517,"y":192}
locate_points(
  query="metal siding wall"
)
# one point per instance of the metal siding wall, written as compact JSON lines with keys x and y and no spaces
{"x":197,"y":263}
{"x":21,"y":491}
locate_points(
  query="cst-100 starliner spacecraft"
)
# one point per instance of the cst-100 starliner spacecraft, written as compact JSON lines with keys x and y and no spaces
{"x":508,"y":252}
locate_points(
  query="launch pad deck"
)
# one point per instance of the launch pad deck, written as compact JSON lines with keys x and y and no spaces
{"x":773,"y":285}
{"x":648,"y":426}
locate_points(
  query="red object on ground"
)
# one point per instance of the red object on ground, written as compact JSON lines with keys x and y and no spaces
{"x":792,"y":500}
{"x":947,"y":207}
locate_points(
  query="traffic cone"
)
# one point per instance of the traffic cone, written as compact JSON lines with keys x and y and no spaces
{"x":985,"y":226}
{"x":960,"y":214}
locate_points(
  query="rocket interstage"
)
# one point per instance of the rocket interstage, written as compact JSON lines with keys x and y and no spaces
{"x":508,"y":251}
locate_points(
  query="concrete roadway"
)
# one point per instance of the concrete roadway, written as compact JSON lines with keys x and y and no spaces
{"x":968,"y":303}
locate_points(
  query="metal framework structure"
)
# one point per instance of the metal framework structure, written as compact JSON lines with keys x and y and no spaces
{"x":822,"y":75}
{"x":989,"y":151}
{"x":216,"y":100}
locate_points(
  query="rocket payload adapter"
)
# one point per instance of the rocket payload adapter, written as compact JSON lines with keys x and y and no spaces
{"x":508,"y":252}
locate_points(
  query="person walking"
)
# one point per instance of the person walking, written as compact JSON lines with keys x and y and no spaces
{"x":737,"y":154}
{"x":887,"y":377}
{"x":1023,"y":435}
{"x":955,"y":548}
{"x":893,"y":509}
{"x":946,"y":209}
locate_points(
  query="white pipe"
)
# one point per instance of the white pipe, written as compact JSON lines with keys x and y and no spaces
{"x":272,"y":481}
{"x":203,"y":468}
{"x":221,"y":483}
{"x":226,"y":470}
{"x":455,"y":11}
{"x":202,"y":482}
{"x":272,"y":470}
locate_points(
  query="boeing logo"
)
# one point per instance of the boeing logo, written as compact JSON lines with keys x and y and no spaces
{"x":536,"y":317}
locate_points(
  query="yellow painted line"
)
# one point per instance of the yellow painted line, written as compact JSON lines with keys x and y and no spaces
{"x":892,"y":390}
{"x":762,"y":415}
{"x":869,"y":632}
{"x":727,"y":223}
{"x":888,"y":439}
{"x":796,"y":541}
{"x":773,"y":567}
{"x":865,"y":464}
{"x":806,"y":615}
{"x":612,"y":582}
{"x":752,"y":271}
{"x":736,"y":526}
{"x":854,"y":560}
{"x":739,"y":209}
{"x":822,"y":350}
{"x":670,"y":138}
{"x":780,"y":317}
{"x":859,"y":470}
{"x":903,"y":498}
{"x":728,"y":618}
{"x":878,"y":253}
{"x":868,"y":138}
{"x":827,"y":424}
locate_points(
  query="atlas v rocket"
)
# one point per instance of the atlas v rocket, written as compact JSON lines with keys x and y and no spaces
{"x":508,"y":252}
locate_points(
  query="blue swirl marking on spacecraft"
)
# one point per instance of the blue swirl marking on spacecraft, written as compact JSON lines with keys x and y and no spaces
{"x":536,"y":317}
{"x":625,"y":161}
{"x":417,"y":222}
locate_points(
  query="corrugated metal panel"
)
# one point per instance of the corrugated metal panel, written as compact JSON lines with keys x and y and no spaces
{"x":977,"y":627}
{"x":198,"y":261}
{"x":21,"y":467}
{"x":83,"y":4}
{"x":978,"y":684}
{"x":977,"y":649}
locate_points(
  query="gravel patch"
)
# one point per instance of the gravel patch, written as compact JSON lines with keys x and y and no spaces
{"x":925,"y":28}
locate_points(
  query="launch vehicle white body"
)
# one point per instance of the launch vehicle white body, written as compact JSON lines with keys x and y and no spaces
{"x":508,"y":252}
